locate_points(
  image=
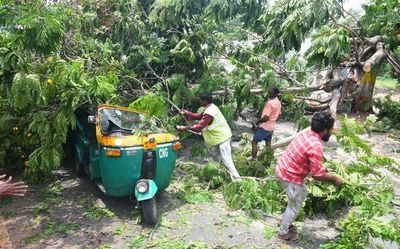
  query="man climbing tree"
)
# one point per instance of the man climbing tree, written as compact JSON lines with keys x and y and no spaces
{"x":216,"y":131}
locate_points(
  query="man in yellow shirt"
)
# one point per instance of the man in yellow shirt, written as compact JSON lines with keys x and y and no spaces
{"x":215,"y":129}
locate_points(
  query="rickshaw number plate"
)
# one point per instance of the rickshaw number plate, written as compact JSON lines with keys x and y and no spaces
{"x":149,"y":145}
{"x":131,"y":152}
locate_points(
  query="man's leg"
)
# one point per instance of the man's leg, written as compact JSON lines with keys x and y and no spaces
{"x":254,"y":149}
{"x":226,"y":155}
{"x":268,"y":139}
{"x":296,"y":195}
{"x":258,"y":137}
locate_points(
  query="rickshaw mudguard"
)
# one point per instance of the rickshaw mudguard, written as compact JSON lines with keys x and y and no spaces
{"x":78,"y":153}
{"x":150,"y":193}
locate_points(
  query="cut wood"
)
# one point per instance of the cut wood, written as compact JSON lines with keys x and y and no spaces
{"x":311,"y":101}
{"x":284,"y":142}
{"x":321,"y":107}
{"x":255,"y":91}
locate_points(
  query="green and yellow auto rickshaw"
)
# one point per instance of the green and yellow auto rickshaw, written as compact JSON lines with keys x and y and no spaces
{"x":122,"y":162}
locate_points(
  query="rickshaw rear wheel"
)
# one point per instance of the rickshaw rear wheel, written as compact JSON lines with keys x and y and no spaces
{"x":150,"y":211}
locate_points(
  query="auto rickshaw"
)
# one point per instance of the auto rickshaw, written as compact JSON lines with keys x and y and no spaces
{"x":121,"y":162}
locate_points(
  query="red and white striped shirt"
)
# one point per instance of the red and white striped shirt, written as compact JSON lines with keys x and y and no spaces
{"x":302,"y":157}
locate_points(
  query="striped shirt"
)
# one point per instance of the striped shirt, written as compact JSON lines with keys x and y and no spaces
{"x":302,"y":157}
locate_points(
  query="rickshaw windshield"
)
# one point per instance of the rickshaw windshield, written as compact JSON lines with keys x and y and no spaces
{"x":112,"y":119}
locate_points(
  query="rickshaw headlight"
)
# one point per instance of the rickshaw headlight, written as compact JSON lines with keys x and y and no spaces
{"x":142,"y":186}
{"x":176,"y":146}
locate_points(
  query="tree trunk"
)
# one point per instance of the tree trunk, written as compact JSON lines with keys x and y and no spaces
{"x":341,"y":82}
{"x":365,"y":89}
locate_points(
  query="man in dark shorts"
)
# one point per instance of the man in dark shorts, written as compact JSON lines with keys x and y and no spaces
{"x":266,"y":124}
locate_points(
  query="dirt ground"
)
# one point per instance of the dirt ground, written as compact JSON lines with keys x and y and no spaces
{"x":74,"y":213}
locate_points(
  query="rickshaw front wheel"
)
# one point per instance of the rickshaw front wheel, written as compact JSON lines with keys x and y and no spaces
{"x":150,"y":211}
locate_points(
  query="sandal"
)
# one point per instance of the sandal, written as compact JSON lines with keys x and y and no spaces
{"x":292,"y":228}
{"x":293,"y":237}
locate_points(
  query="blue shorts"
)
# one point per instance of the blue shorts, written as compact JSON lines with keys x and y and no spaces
{"x":262,"y":134}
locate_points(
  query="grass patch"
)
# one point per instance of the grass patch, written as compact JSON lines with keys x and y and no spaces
{"x":193,"y":194}
{"x":242,"y":220}
{"x":120,"y":230}
{"x":387,"y":83}
{"x":141,"y":241}
{"x":136,"y":242}
{"x":6,"y":201}
{"x":185,"y":244}
{"x":53,"y":193}
{"x":105,"y":246}
{"x":8,"y":214}
{"x":40,"y":209}
{"x":31,"y":239}
{"x":97,"y":212}
{"x":269,"y":232}
{"x":59,"y":227}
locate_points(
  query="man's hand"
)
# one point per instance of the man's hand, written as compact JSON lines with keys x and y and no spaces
{"x":183,"y":112}
{"x":254,"y":126}
{"x":337,"y":180}
{"x":3,"y":178}
{"x":182,"y":128}
{"x":11,"y":189}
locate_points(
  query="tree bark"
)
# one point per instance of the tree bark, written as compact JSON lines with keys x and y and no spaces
{"x":365,"y":89}
{"x":333,"y":105}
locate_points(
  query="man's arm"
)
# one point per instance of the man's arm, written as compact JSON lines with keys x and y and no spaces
{"x":192,"y":115}
{"x":318,"y":171}
{"x":335,"y":179}
{"x":262,"y":120}
{"x":266,"y":114}
{"x":205,"y":120}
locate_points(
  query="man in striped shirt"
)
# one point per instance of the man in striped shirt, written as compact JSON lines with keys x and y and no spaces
{"x":303,"y":157}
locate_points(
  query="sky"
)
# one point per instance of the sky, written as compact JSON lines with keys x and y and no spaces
{"x":355,"y":4}
{"x":350,"y":4}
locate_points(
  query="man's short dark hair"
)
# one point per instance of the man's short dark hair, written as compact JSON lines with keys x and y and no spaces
{"x":274,"y":89}
{"x":321,"y":121}
{"x":207,"y":97}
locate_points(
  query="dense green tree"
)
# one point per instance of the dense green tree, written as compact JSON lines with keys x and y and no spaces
{"x":61,"y":56}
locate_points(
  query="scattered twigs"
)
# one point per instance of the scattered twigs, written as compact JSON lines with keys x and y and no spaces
{"x":393,"y":63}
{"x":259,"y":179}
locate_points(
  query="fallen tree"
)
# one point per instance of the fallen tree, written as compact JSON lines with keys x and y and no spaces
{"x":348,"y":81}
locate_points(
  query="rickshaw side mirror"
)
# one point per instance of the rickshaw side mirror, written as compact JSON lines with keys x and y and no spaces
{"x":91,"y":119}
